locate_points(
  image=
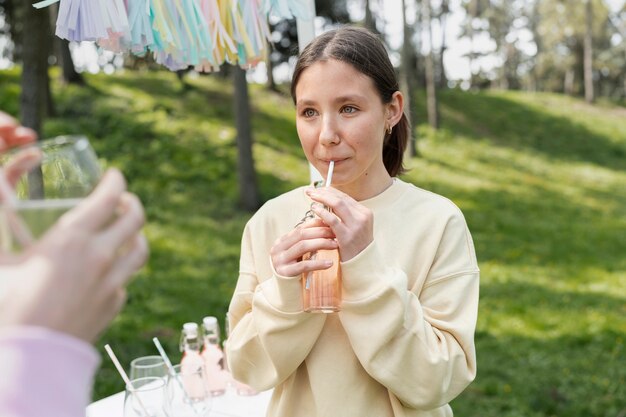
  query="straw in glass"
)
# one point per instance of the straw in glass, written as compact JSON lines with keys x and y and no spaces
{"x":168,"y":363}
{"x":125,"y":377}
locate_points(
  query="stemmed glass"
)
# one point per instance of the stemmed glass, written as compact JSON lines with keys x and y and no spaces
{"x":146,"y":398}
{"x":49,"y":178}
{"x":187,"y":393}
{"x":146,"y":366}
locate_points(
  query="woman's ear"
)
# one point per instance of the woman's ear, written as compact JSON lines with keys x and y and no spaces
{"x":395,"y":109}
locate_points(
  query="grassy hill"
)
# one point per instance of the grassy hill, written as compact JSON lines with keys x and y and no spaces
{"x":541,"y":179}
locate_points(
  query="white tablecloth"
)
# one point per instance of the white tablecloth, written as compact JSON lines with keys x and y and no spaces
{"x":227,"y":405}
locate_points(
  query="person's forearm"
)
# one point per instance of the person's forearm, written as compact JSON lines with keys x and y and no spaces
{"x":44,"y":373}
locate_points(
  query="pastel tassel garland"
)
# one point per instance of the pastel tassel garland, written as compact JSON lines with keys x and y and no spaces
{"x":115,"y":16}
{"x":141,"y":35}
{"x":179,"y":33}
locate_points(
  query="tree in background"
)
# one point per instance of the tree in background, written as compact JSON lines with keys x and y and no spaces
{"x":408,"y":83}
{"x":285,"y":32}
{"x":431,"y":89}
{"x":444,"y":10}
{"x":10,"y":29}
{"x":503,"y":18}
{"x":248,"y":191}
{"x":473,"y":25}
{"x":35,"y":40}
{"x":561,"y":33}
{"x":588,"y":52}
{"x":614,"y":59}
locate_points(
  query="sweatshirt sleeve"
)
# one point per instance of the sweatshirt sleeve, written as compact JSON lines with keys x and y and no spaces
{"x":417,"y":342}
{"x":270,"y":335}
{"x":44,"y":373}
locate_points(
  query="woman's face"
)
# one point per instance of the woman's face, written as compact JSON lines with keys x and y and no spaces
{"x":341,"y":117}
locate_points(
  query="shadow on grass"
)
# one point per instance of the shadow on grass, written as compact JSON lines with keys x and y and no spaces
{"x":536,"y":225}
{"x":508,"y":122}
{"x":568,"y":367}
{"x":573,"y":376}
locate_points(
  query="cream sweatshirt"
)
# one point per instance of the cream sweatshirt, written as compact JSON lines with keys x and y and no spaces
{"x":403,"y":343}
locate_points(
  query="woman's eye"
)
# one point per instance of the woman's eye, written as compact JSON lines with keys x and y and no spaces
{"x":349,"y":109}
{"x":308,"y":113}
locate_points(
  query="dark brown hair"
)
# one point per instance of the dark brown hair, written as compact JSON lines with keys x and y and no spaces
{"x":366,"y":53}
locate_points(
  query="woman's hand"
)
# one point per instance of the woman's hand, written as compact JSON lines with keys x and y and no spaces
{"x":350,"y":222}
{"x":310,"y":236}
{"x":73,"y":280}
{"x":12,"y":134}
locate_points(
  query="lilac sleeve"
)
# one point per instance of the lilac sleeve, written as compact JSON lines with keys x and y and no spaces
{"x":44,"y":373}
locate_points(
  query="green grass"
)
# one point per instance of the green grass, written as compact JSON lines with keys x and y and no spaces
{"x":541,"y":179}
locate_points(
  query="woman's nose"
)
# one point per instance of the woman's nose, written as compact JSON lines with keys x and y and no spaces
{"x":329,"y":134}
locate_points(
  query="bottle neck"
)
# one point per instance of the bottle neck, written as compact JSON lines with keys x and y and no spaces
{"x":191,"y":344}
{"x":211,"y":339}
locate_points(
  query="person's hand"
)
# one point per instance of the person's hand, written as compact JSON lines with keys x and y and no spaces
{"x":351,"y":222}
{"x":73,"y":280}
{"x":310,"y":236}
{"x":12,"y":134}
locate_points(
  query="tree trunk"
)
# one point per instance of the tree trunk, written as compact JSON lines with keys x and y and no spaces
{"x":35,"y":84}
{"x":248,"y":193}
{"x":12,"y":15}
{"x":271,"y":82}
{"x":70,"y":75}
{"x":35,"y":98}
{"x":535,"y":80}
{"x":568,"y":83}
{"x":407,"y":85}
{"x":431,"y":92}
{"x":443,"y":79}
{"x":370,"y":21}
{"x":588,"y":54}
{"x":473,"y":10}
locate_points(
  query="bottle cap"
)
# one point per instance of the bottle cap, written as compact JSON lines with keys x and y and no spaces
{"x":209,"y":321}
{"x":190,"y":329}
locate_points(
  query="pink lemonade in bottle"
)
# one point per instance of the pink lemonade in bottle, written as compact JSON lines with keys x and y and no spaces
{"x":213,"y":357}
{"x":191,"y":361}
{"x":321,"y":289}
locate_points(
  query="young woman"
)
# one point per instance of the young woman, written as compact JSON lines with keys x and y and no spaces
{"x":403,"y":342}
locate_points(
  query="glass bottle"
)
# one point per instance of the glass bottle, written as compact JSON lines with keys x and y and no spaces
{"x":321,"y":289}
{"x":213,"y":356}
{"x":191,"y":361}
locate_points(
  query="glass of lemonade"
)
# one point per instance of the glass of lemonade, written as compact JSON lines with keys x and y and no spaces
{"x":49,"y":178}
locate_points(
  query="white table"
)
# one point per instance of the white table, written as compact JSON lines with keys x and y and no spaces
{"x":227,"y":405}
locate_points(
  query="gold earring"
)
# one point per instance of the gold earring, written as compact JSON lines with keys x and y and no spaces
{"x":389,"y":130}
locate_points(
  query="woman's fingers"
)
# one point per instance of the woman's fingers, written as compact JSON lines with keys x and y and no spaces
{"x":351,"y":222}
{"x":341,"y":204}
{"x":21,"y":163}
{"x":128,"y":223}
{"x":127,"y":263}
{"x":288,"y":250}
{"x":12,"y":134}
{"x":99,"y":209}
{"x":301,"y":267}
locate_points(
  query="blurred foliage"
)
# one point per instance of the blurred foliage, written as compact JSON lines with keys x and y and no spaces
{"x":539,"y":177}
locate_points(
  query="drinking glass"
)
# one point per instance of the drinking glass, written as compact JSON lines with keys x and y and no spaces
{"x":148,"y":366}
{"x":321,"y":289}
{"x":51,"y":177}
{"x":146,"y":398}
{"x":187,"y":392}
